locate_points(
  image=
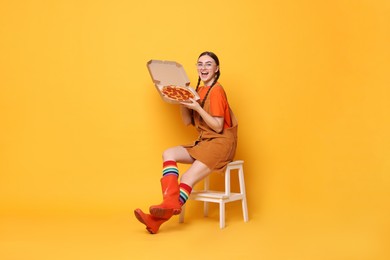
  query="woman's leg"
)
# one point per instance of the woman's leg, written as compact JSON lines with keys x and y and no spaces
{"x":175,"y":195}
{"x":170,"y":187}
{"x":177,"y":154}
{"x":169,"y":183}
{"x":193,"y":175}
{"x":197,"y":172}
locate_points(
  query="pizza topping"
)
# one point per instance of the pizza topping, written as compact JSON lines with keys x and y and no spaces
{"x":177,"y":93}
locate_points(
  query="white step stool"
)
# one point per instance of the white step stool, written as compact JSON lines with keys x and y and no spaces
{"x":221,"y":197}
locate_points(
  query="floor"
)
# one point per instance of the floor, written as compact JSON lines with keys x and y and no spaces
{"x":116,"y":234}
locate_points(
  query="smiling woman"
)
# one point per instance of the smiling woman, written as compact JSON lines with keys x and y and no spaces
{"x":213,"y":149}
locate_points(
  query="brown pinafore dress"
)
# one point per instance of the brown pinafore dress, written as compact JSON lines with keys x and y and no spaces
{"x":214,"y":149}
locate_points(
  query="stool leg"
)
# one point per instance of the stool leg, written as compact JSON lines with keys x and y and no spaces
{"x":221,"y":214}
{"x":245,"y":210}
{"x":206,"y":184}
{"x":243,"y":193}
{"x":181,"y":216}
{"x":205,"y":209}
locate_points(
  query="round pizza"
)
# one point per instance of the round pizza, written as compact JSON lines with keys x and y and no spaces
{"x":177,"y":93}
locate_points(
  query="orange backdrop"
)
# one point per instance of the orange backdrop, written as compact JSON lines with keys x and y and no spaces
{"x":82,"y":126}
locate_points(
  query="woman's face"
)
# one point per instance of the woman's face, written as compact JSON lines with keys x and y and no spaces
{"x":207,"y":68}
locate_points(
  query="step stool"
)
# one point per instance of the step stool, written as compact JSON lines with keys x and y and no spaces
{"x":206,"y":195}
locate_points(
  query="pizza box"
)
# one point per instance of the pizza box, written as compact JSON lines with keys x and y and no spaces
{"x":169,"y":73}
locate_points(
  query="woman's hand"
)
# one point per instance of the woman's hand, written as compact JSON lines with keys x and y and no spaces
{"x":216,"y":123}
{"x":191,"y":104}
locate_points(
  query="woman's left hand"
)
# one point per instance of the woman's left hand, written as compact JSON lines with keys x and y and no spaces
{"x":191,"y":104}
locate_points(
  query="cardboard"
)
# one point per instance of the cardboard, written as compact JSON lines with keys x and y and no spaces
{"x":165,"y":73}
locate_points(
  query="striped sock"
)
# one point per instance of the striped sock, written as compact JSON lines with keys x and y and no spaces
{"x":170,"y":168}
{"x":185,"y":192}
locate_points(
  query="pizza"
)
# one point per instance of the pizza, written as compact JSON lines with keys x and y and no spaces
{"x":177,"y":93}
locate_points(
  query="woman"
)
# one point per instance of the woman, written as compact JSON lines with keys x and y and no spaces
{"x":211,"y":152}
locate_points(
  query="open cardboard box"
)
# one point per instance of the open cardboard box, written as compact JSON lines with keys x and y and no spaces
{"x":166,"y":73}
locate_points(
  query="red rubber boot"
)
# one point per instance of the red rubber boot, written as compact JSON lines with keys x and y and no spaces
{"x":152,"y":223}
{"x":170,"y":205}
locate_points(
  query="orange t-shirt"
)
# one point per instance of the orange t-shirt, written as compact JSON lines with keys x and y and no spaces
{"x":219,"y":105}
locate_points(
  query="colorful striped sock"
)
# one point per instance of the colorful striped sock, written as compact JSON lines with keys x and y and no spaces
{"x":170,"y":168}
{"x":185,"y":192}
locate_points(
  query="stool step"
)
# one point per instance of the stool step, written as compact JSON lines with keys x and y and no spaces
{"x":215,"y":195}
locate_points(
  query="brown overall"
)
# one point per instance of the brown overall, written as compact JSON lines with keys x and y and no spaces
{"x":213,"y":149}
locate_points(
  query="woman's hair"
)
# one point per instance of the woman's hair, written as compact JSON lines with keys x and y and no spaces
{"x":218,"y":73}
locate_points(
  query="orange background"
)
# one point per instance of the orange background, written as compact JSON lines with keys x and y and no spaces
{"x":82,"y":127}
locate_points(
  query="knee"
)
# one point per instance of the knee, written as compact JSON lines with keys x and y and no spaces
{"x":168,"y":154}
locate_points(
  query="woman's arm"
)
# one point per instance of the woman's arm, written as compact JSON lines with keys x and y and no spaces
{"x":215,"y":123}
{"x":185,"y":115}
